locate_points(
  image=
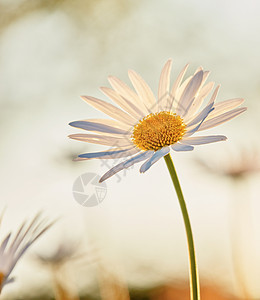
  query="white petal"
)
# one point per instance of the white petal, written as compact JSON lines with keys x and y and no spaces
{"x":205,"y":74}
{"x":222,"y":118}
{"x":110,"y":110}
{"x":189,"y":93}
{"x":204,"y":92}
{"x":123,"y":141}
{"x":176,"y":85}
{"x":180,"y":90}
{"x":8,"y":280}
{"x":181,"y":147}
{"x":201,"y":116}
{"x":178,"y":81}
{"x":112,"y":172}
{"x":125,"y":91}
{"x":198,"y":70}
{"x":143,"y":90}
{"x":17,"y":239}
{"x":156,"y":156}
{"x":140,"y":157}
{"x":224,"y":106}
{"x":126,"y":164}
{"x":128,"y":106}
{"x":214,"y":95}
{"x":205,"y":77}
{"x":199,"y":140}
{"x":109,"y":154}
{"x":204,"y":113}
{"x":110,"y":122}
{"x":98,"y":126}
{"x":25,"y":237}
{"x":164,"y":84}
{"x":24,"y":233}
{"x":4,"y":244}
{"x":193,"y":129}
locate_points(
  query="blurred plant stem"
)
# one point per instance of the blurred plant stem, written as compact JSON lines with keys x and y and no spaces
{"x":111,"y":284}
{"x":194,"y":278}
{"x":60,"y":286}
{"x":240,"y":219}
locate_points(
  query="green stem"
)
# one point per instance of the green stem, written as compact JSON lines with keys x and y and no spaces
{"x":194,"y":278}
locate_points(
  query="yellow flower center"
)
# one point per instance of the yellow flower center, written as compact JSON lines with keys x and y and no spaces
{"x":158,"y":130}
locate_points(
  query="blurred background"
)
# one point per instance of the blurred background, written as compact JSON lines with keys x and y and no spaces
{"x":133,"y":242}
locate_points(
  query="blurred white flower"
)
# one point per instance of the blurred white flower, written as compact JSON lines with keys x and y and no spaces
{"x":64,"y":252}
{"x":59,"y":263}
{"x":235,"y":165}
{"x":16,"y":244}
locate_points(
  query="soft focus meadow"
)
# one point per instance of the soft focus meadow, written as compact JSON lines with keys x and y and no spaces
{"x":132,"y":245}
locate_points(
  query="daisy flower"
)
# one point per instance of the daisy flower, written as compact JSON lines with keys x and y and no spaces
{"x":14,"y":246}
{"x":145,"y":129}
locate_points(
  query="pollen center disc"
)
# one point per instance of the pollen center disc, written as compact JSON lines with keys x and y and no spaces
{"x":158,"y":130}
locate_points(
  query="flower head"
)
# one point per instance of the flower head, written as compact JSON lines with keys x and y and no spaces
{"x":147,"y":129}
{"x":66,"y":251}
{"x":14,"y":246}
